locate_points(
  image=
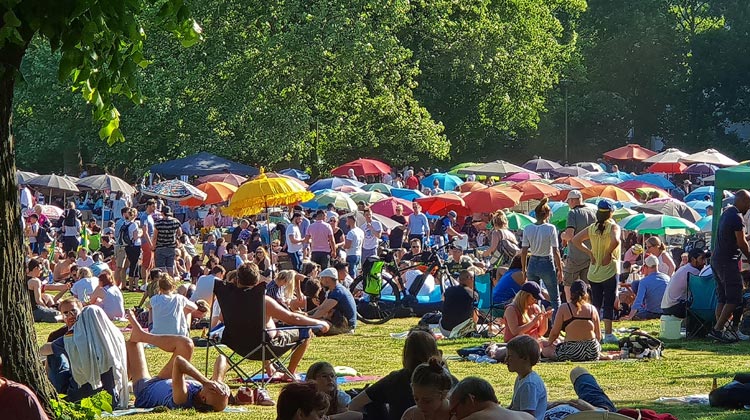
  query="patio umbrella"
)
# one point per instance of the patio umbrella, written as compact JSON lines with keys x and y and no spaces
{"x":652,"y":192}
{"x":700,"y":206}
{"x":701,"y":192}
{"x":492,"y":199}
{"x":362,"y":167}
{"x":632,"y":185}
{"x":710,"y":156}
{"x":631,"y":222}
{"x":325,"y":197}
{"x":387,"y":207}
{"x":622,"y":213}
{"x":590,"y":166}
{"x":655,"y":179}
{"x":496,"y":168}
{"x":541,"y":165}
{"x":471,"y":186}
{"x":574,"y":182}
{"x":349,"y":189}
{"x":595,"y":202}
{"x":105,"y":182}
{"x":216,"y":192}
{"x":262,"y":192}
{"x":441,"y":204}
{"x":659,"y":224}
{"x":387,"y":222}
{"x":446,"y":181}
{"x":54,"y":182}
{"x":406,"y":194}
{"x":368,"y":196}
{"x":670,"y":155}
{"x":331,"y":183}
{"x":53,"y":212}
{"x":603,"y":178}
{"x":454,"y":169}
{"x":228,"y":178}
{"x":521,"y":176}
{"x":667,"y":168}
{"x":608,"y":191}
{"x":705,"y":224}
{"x":634,"y":152}
{"x":535,"y":190}
{"x":378,"y":186}
{"x":701,"y":169}
{"x":562,"y":195}
{"x":23,"y":177}
{"x":571,"y":171}
{"x":518,"y":221}
{"x":174,"y":189}
{"x":295,"y":173}
{"x":670,"y":207}
{"x":297,"y":181}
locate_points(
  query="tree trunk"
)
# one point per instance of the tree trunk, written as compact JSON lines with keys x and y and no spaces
{"x":18,"y":343}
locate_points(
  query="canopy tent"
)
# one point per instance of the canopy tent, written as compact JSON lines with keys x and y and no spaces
{"x":200,"y":164}
{"x":734,"y":178}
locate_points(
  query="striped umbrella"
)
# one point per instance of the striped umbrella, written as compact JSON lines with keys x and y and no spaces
{"x":174,"y":189}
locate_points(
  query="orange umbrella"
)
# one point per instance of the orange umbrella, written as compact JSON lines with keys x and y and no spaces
{"x":574,"y":182}
{"x":471,"y":186}
{"x":491,"y":199}
{"x":630,"y":152}
{"x":535,"y":190}
{"x":216,"y":192}
{"x":608,"y":191}
{"x":441,"y":204}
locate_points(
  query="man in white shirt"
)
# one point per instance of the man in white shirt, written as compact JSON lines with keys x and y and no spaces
{"x":84,"y":260}
{"x":353,"y":245}
{"x":675,"y":296}
{"x":373,"y":230}
{"x":204,"y":287}
{"x":27,"y":200}
{"x":295,"y":242}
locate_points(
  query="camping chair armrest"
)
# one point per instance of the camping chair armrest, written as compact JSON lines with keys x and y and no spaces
{"x":304,"y":330}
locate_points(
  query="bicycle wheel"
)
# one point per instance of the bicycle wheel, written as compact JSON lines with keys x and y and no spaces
{"x":377,"y":310}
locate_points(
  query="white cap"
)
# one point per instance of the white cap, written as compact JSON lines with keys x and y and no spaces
{"x":652,"y":261}
{"x":574,"y":194}
{"x":330,"y":272}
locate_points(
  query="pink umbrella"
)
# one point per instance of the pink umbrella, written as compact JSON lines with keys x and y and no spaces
{"x":53,"y":212}
{"x":387,"y":207}
{"x":521,"y":176}
{"x":349,"y":189}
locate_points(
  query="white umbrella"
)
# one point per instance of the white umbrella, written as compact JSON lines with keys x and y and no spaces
{"x":105,"y":182}
{"x":590,"y":166}
{"x":667,"y":156}
{"x":55,"y":182}
{"x":23,"y":177}
{"x":387,"y":222}
{"x":711,"y":156}
{"x":496,"y":168}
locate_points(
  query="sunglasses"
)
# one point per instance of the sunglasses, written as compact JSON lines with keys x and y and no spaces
{"x":415,"y":247}
{"x":72,"y":312}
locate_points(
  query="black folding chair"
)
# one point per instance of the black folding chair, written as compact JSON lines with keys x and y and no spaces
{"x":246,"y":335}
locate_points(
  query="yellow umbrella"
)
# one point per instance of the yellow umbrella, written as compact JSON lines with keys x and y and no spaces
{"x":261,"y":192}
{"x":368,"y":196}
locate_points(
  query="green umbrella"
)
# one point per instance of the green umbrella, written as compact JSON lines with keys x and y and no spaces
{"x":518,"y":221}
{"x":631,"y":222}
{"x":622,"y":213}
{"x":454,"y":170}
{"x":378,"y":186}
{"x":368,"y":197}
{"x":660,"y":224}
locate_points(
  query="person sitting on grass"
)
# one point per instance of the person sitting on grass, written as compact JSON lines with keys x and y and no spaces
{"x":529,"y":392}
{"x":474,"y":399}
{"x":430,"y":384}
{"x":579,"y":320}
{"x":459,"y":304}
{"x":18,"y":401}
{"x":650,"y":293}
{"x":169,"y":388}
{"x":324,"y":377}
{"x":591,"y":397}
{"x":524,"y":315}
{"x":170,"y":312}
{"x":58,"y":365}
{"x":285,"y":289}
{"x":85,"y":284}
{"x":339,"y":307}
{"x":43,"y":304}
{"x":509,"y":284}
{"x":109,"y":297}
{"x":302,"y":401}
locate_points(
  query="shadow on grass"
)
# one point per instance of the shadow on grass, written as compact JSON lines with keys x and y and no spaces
{"x":708,"y":346}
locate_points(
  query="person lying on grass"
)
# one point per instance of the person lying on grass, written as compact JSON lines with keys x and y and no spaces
{"x":169,"y":388}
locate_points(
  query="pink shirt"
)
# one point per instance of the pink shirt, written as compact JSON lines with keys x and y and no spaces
{"x":319,"y":233}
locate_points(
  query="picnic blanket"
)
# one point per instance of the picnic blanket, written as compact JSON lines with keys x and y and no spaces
{"x":699,"y":399}
{"x":132,"y":411}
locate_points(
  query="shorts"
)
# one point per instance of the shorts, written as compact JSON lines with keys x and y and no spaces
{"x":120,"y":257}
{"x":140,"y":386}
{"x":163,"y":258}
{"x":728,"y":282}
{"x":578,"y":351}
{"x":285,"y":340}
{"x":570,"y":277}
{"x":147,"y":256}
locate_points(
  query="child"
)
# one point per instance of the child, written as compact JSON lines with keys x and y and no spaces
{"x":324,"y":377}
{"x":430,"y":384}
{"x":209,"y":247}
{"x":221,"y":248}
{"x":529,"y":392}
{"x":169,"y":310}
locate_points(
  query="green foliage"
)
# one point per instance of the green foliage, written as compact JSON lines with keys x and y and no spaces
{"x":87,"y":409}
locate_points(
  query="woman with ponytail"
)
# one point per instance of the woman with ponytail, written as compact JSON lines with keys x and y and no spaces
{"x":656,"y":247}
{"x":580,"y":321}
{"x":604,"y":236}
{"x":545,"y":264}
{"x":430,"y":384}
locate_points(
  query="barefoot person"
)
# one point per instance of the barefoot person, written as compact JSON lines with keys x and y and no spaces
{"x":169,"y":387}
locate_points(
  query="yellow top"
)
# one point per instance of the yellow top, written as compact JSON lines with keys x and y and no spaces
{"x":599,"y":244}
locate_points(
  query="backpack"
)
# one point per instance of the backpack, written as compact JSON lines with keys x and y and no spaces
{"x":229,"y":262}
{"x":373,"y":282}
{"x":123,"y":235}
{"x":440,"y":227}
{"x":506,"y":250}
{"x":639,"y":341}
{"x":70,"y":217}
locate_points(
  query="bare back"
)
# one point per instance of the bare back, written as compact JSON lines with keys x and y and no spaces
{"x":499,"y":413}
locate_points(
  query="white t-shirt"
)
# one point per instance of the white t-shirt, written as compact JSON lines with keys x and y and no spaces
{"x":168,"y":314}
{"x":540,"y":239}
{"x":113,"y":303}
{"x":293,"y":231}
{"x":84,"y":287}
{"x":204,"y":288}
{"x":677,"y":287}
{"x":427,"y":287}
{"x":88,"y":262}
{"x":72,"y":230}
{"x":357,"y":236}
{"x":371,"y":241}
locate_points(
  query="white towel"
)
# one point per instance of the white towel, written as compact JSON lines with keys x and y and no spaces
{"x":95,"y":347}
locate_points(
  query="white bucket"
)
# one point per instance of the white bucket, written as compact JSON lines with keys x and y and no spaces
{"x":670,"y":327}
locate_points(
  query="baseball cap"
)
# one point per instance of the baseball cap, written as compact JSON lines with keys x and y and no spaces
{"x":604,"y":205}
{"x":696,"y":253}
{"x":533,"y":289}
{"x":452,"y":214}
{"x":166,"y":210}
{"x":330,"y":272}
{"x":652,"y":261}
{"x":573,"y":195}
{"x":637,"y":249}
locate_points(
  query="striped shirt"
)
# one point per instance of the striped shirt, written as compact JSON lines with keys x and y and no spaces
{"x":167,"y":228}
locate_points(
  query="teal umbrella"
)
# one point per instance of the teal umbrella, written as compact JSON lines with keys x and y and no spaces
{"x":378,"y":186}
{"x":705,"y":224}
{"x":660,"y":224}
{"x":518,"y":221}
{"x":632,"y":222}
{"x":339,"y":200}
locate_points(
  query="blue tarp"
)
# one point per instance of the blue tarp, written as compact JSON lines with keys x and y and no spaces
{"x":200,"y":164}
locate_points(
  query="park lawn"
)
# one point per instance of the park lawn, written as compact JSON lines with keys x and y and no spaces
{"x":688,"y":367}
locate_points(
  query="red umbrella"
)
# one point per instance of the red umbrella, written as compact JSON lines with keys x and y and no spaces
{"x":233,"y":179}
{"x":535,"y":190}
{"x":471,"y":186}
{"x":492,"y":199}
{"x":387,"y":207}
{"x":574,"y":181}
{"x":441,"y":204}
{"x":216,"y":192}
{"x":362,"y":167}
{"x":630,"y":152}
{"x":667,"y":168}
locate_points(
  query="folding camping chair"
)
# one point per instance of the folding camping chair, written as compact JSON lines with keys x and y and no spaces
{"x":701,"y":306}
{"x":245,"y":332}
{"x":487,"y":309}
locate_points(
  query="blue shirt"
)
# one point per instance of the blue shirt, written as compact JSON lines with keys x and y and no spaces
{"x":726,"y":249}
{"x":418,"y":224}
{"x":158,"y":392}
{"x":530,"y":394}
{"x":147,"y":221}
{"x":506,"y":287}
{"x":650,"y":292}
{"x":346,"y":304}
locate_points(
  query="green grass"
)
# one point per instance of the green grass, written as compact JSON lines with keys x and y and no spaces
{"x":688,"y":367}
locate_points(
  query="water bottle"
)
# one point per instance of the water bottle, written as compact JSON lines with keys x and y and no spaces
{"x":625,"y":351}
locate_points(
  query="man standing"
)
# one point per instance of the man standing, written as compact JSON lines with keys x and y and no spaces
{"x":651,"y":289}
{"x":166,"y":231}
{"x":725,"y":263}
{"x":147,"y":240}
{"x":577,"y":264}
{"x":322,"y":244}
{"x":412,"y":182}
{"x":419,"y":226}
{"x":373,"y":230}
{"x":675,"y":297}
{"x":295,"y":241}
{"x":353,"y":245}
{"x":120,"y":244}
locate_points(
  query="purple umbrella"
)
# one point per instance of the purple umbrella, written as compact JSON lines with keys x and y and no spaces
{"x":701,"y":169}
{"x":541,"y":165}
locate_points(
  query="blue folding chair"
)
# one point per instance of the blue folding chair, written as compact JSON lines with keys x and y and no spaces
{"x":701,"y":305}
{"x":487,"y":309}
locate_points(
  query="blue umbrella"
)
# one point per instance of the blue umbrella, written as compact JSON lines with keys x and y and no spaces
{"x":446,"y":181}
{"x":406,"y":194}
{"x":700,"y":206}
{"x":296,"y":173}
{"x":701,"y":192}
{"x":657,"y":180}
{"x":331,"y":183}
{"x":602,"y":178}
